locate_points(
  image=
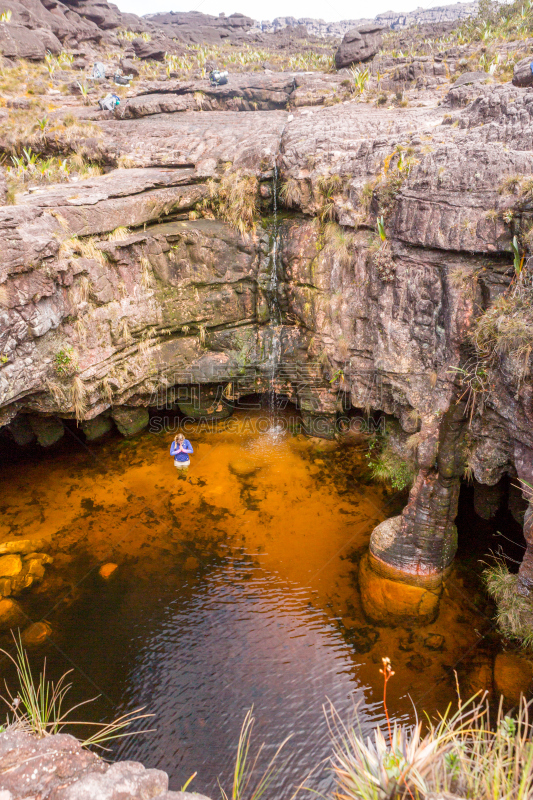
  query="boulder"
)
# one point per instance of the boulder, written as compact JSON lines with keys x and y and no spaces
{"x":523,"y":73}
{"x":97,"y":427}
{"x":359,"y":44}
{"x":10,"y":566}
{"x":11,"y":614}
{"x":35,"y":634}
{"x":17,"y":41}
{"x":47,"y":429}
{"x":472,"y":77}
{"x":130,"y":420}
{"x":21,"y":430}
{"x":129,"y":67}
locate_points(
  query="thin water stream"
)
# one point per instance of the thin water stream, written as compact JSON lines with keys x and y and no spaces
{"x":236,"y":586}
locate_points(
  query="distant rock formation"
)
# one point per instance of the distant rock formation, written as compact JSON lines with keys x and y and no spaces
{"x":391,"y":19}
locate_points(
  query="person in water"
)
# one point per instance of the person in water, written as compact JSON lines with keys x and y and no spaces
{"x":181,"y":448}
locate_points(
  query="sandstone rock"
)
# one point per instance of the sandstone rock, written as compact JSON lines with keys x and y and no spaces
{"x":120,"y":781}
{"x":46,"y":767}
{"x":513,"y":676}
{"x":21,"y":430}
{"x":36,"y":634}
{"x":107,"y":570}
{"x":130,"y":420}
{"x":23,"y":546}
{"x":472,"y":77}
{"x":522,"y":72}
{"x":487,"y":499}
{"x":390,"y":601}
{"x":5,"y":587}
{"x":359,"y":44}
{"x":17,"y":41}
{"x":129,"y":67}
{"x":47,"y":429}
{"x":11,"y":614}
{"x":3,"y":186}
{"x":179,"y":796}
{"x":10,"y":566}
{"x":35,"y":565}
{"x":191,"y":564}
{"x":97,"y":427}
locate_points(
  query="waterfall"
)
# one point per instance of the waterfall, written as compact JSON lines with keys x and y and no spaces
{"x":273,"y":332}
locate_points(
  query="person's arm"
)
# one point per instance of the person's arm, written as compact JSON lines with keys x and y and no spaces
{"x":188,"y":447}
{"x":174,"y":449}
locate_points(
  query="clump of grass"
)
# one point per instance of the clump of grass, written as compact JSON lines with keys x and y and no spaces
{"x":38,"y":705}
{"x":246,"y":786}
{"x":290,"y":193}
{"x":506,"y":328}
{"x":78,"y":397}
{"x":514,"y":613}
{"x":234,"y":199}
{"x":339,"y":242}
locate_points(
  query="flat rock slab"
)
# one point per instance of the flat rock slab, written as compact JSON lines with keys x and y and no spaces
{"x":35,"y":228}
{"x":204,"y":141}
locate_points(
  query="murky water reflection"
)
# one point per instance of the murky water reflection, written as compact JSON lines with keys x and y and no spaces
{"x":236,"y":586}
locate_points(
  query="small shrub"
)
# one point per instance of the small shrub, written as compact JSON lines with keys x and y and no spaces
{"x":387,"y":466}
{"x":65,"y":361}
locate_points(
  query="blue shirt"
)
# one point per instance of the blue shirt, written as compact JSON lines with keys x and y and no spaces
{"x":183,"y":456}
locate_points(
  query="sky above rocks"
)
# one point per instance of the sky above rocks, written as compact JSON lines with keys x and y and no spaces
{"x":329,"y":10}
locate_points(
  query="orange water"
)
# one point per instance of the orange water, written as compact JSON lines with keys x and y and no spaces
{"x":231,"y":591}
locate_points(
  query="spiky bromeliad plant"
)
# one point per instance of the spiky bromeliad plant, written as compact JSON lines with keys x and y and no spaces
{"x":467,"y":753}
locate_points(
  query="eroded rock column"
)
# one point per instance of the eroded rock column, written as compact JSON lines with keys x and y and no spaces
{"x":402,"y":575}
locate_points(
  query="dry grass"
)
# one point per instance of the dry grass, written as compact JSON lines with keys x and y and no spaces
{"x":514,"y":611}
{"x":78,"y":397}
{"x":506,"y":328}
{"x":339,"y":243}
{"x":290,"y":193}
{"x":234,"y":199}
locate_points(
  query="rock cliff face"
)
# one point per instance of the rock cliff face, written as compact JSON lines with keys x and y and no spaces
{"x":129,"y":289}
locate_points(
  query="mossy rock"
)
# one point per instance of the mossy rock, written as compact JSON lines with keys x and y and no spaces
{"x":130,"y":419}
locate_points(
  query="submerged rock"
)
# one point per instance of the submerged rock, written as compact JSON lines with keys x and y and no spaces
{"x":107,"y":570}
{"x":513,"y":676}
{"x":390,"y":600}
{"x":243,"y":467}
{"x":37,"y":633}
{"x":10,"y":566}
{"x":11,"y":614}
